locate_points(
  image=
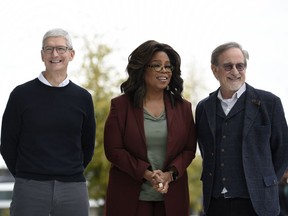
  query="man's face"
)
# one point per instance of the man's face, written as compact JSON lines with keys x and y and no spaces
{"x":56,"y":55}
{"x":230,"y":71}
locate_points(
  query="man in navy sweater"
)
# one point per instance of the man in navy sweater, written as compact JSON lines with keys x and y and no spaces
{"x":48,"y":137}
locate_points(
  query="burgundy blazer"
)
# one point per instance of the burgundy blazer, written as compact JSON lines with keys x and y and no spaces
{"x":125,"y":148}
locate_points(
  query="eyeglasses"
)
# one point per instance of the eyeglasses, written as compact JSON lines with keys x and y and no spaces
{"x":159,"y":67}
{"x":240,"y":66}
{"x":59,"y":49}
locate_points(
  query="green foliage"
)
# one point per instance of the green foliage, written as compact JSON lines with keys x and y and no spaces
{"x":193,"y":88}
{"x":4,"y":212}
{"x":98,"y":79}
{"x":195,"y":185}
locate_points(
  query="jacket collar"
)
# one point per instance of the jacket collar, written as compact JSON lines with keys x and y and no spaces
{"x":252,"y":105}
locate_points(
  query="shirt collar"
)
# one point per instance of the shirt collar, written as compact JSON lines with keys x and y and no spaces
{"x":45,"y":81}
{"x":236,"y":95}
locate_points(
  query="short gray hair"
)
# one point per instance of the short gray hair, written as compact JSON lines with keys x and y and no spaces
{"x":58,"y":32}
{"x":223,"y":47}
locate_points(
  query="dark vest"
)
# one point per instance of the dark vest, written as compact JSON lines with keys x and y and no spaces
{"x":229,"y":171}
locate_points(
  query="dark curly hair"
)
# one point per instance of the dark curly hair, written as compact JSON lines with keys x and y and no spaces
{"x":135,"y":86}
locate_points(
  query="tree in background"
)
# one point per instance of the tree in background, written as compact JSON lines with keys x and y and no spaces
{"x":195,"y":185}
{"x":98,"y":82}
{"x":4,"y":212}
{"x":193,"y":89}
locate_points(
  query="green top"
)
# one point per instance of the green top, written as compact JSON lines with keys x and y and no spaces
{"x":156,"y":139}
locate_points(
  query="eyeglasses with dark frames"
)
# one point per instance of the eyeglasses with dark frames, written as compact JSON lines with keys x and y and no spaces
{"x":159,"y":67}
{"x":240,"y":67}
{"x":59,"y":49}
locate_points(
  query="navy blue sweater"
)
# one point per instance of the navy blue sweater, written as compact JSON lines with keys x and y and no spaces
{"x":48,"y":133}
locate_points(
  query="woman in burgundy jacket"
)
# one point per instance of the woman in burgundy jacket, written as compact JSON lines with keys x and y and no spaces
{"x":149,"y":137}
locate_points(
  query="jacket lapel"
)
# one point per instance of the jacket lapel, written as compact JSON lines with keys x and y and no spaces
{"x":139,"y":116}
{"x":210,"y":110}
{"x":169,"y":112}
{"x":252,"y":106}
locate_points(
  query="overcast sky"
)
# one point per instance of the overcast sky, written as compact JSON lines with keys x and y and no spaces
{"x":192,"y":27}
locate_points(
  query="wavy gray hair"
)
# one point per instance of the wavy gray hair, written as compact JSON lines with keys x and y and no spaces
{"x":223,"y":47}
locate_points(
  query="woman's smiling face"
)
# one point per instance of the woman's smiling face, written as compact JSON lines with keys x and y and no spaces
{"x":158,"y":80}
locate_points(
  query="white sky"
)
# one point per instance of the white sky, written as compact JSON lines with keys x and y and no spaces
{"x":192,"y":27}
